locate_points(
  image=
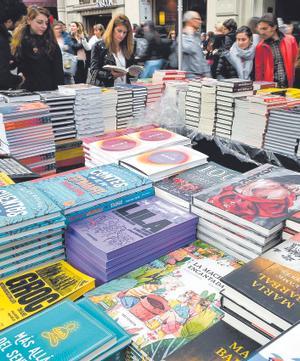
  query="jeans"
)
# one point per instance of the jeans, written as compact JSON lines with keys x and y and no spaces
{"x":151,"y":66}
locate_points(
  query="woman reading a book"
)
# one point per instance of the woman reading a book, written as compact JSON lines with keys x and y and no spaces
{"x":116,"y":49}
{"x":36,"y":51}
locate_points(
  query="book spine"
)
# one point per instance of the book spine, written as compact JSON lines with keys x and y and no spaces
{"x":68,"y":145}
{"x":37,"y":158}
{"x":14,"y":125}
{"x":70,"y":162}
{"x":107,"y":206}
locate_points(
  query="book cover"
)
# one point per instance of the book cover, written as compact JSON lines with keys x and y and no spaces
{"x":165,"y":160}
{"x":219,"y":342}
{"x":5,"y":180}
{"x":188,"y":183}
{"x":260,"y":199}
{"x":19,"y":298}
{"x":269,"y":285}
{"x":111,"y":233}
{"x":160,"y":136}
{"x":169,"y":301}
{"x":22,"y":204}
{"x":62,"y":332}
{"x":81,"y":188}
{"x":283,"y":348}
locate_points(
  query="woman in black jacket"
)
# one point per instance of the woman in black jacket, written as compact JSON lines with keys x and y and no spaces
{"x":11,"y":11}
{"x":37,"y":52}
{"x":116,"y":48}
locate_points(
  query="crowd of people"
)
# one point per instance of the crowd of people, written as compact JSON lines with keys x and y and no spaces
{"x":37,"y":53}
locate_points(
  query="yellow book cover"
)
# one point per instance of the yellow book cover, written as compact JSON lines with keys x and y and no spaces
{"x":27,"y":293}
{"x":70,"y":153}
{"x":5,"y":180}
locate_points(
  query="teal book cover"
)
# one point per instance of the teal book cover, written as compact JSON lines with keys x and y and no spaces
{"x":74,"y":190}
{"x":64,"y":332}
{"x":23,"y":203}
{"x":123,"y":338}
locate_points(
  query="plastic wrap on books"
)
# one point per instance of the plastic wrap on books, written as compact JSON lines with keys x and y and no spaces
{"x":167,"y":112}
{"x":247,"y":155}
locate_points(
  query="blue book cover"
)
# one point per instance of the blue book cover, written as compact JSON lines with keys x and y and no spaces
{"x":123,"y":338}
{"x":80,"y":190}
{"x":63,"y":332}
{"x":23,"y":204}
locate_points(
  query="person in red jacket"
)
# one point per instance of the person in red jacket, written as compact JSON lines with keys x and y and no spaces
{"x":276,"y":54}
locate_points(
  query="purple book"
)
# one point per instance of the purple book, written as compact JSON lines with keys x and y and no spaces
{"x":120,"y":231}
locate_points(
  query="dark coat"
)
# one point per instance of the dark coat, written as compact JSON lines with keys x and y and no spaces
{"x":229,"y":39}
{"x":7,"y":79}
{"x":42,"y":71}
{"x":100,"y":57}
{"x":224,"y":69}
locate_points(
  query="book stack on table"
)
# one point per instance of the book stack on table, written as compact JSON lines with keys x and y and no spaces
{"x":111,"y":244}
{"x":124,"y":106}
{"x":245,"y":216}
{"x":87,"y":108}
{"x":208,"y":107}
{"x":27,"y":135}
{"x":69,"y":154}
{"x":109,"y":111}
{"x":32,"y":229}
{"x":193,"y":104}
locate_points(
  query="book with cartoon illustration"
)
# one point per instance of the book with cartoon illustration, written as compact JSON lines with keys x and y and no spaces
{"x":62,"y":332}
{"x":170,"y":301}
{"x":268,"y":286}
{"x":260,"y":199}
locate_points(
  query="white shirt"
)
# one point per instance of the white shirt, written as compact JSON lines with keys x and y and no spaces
{"x":121,"y":62}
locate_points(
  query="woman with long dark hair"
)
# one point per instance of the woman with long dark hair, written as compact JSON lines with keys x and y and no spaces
{"x":116,"y":48}
{"x":37,"y":52}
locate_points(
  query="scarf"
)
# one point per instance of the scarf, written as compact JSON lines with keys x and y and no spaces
{"x":241,"y":60}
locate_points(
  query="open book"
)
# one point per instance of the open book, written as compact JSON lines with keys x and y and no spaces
{"x":133,"y":70}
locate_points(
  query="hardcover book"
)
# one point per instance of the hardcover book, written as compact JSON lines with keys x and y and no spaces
{"x":55,"y":281}
{"x":164,"y":162}
{"x":181,"y":187}
{"x":62,"y":332}
{"x":268,"y":286}
{"x":260,"y":199}
{"x":170,"y":301}
{"x":219,"y":342}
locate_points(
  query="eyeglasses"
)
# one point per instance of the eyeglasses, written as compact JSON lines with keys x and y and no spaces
{"x":198,"y":19}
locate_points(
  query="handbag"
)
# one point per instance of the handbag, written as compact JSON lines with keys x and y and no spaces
{"x":69,"y":63}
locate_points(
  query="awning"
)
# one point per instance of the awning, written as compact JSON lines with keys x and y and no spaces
{"x":44,"y":3}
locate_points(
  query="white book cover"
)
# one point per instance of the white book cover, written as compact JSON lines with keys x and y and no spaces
{"x":163,"y":162}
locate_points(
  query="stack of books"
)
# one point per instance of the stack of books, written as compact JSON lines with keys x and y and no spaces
{"x":56,"y":281}
{"x":87,"y":108}
{"x":283,"y":131}
{"x":83,"y":193}
{"x":66,"y":331}
{"x":154,"y":90}
{"x":114,"y":149}
{"x":292,"y":227}
{"x":193,"y":104}
{"x":258,"y":85}
{"x":62,"y":113}
{"x":109,"y":111}
{"x":164,"y":162}
{"x":208,"y":108}
{"x":139,"y":98}
{"x":168,"y":302}
{"x":111,"y":244}
{"x":242,"y":129}
{"x":69,"y":154}
{"x":27,"y":134}
{"x":245,"y":216}
{"x":174,"y":95}
{"x":260,"y":299}
{"x":19,"y":96}
{"x":168,"y":74}
{"x":227,"y":92}
{"x":31,"y":229}
{"x":124,"y":106}
{"x":15,"y":170}
{"x":180,"y":188}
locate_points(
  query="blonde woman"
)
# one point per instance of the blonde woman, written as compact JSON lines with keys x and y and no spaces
{"x":116,"y":48}
{"x":36,"y":51}
{"x":98,"y":33}
{"x":81,"y":49}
